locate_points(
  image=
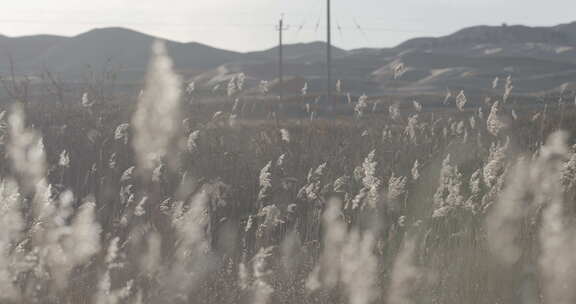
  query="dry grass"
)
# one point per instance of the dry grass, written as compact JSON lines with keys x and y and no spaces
{"x":190,"y":203}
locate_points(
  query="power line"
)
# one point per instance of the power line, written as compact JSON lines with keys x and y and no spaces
{"x":339,"y":27}
{"x":360,"y":29}
{"x":311,"y":13}
{"x":380,"y":29}
{"x":300,"y":28}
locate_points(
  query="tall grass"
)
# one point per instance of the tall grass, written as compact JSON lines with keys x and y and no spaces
{"x":177,"y":203}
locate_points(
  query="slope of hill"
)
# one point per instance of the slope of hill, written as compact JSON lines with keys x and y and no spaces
{"x":303,"y":52}
{"x":494,"y":35}
{"x":126,"y":50}
{"x":435,"y":72}
{"x":129,"y":50}
{"x":568,"y":29}
{"x":27,"y":48}
{"x":539,"y":59}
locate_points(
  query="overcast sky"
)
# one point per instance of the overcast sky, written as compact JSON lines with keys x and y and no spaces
{"x":249,"y":24}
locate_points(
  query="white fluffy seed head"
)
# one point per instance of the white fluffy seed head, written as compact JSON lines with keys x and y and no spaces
{"x":156,"y":120}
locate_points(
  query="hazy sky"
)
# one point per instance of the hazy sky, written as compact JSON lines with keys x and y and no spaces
{"x":249,"y":24}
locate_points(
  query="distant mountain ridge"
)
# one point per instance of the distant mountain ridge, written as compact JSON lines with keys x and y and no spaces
{"x":498,"y":35}
{"x":129,"y":49}
{"x":299,"y":51}
{"x":539,"y":59}
{"x":26,"y":48}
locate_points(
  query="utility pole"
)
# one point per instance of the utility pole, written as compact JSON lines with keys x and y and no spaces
{"x":329,"y":54}
{"x":281,"y":30}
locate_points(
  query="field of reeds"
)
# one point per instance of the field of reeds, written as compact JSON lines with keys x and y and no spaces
{"x":171,"y":203}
